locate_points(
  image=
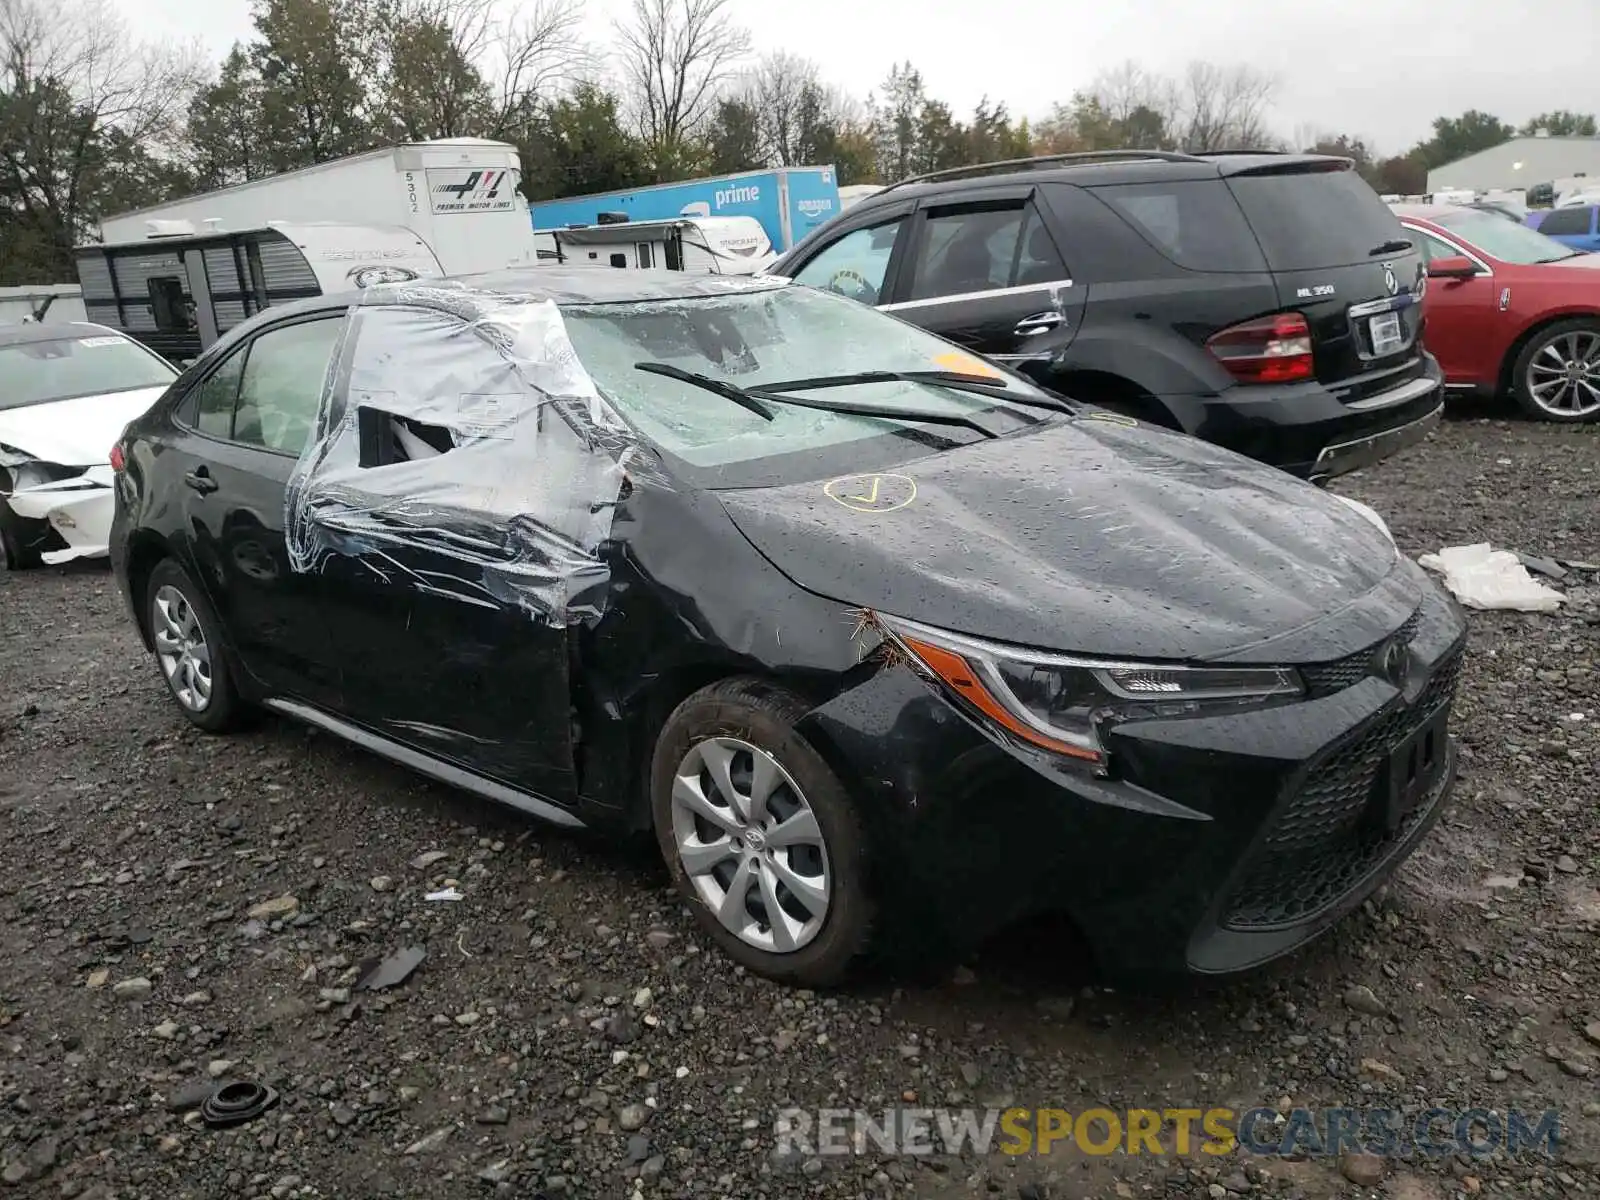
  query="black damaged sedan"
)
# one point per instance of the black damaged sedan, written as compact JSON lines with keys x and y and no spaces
{"x":886,"y":647}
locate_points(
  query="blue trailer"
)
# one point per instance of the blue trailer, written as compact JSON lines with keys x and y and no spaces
{"x":789,"y":202}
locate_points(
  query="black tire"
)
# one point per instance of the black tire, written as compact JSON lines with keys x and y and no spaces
{"x":763,"y":715}
{"x":1520,"y":389}
{"x":223,"y":709}
{"x":17,"y":556}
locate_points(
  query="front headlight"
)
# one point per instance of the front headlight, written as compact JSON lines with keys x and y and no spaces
{"x":1064,"y":704}
{"x":33,"y":473}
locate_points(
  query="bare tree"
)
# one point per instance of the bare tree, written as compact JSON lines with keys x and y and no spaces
{"x":89,"y":119}
{"x":491,"y":71}
{"x":784,"y":89}
{"x":1224,"y":107}
{"x":675,"y":55}
{"x":1126,"y":89}
{"x":86,"y":49}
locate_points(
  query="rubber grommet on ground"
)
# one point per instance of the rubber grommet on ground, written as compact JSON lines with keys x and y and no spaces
{"x":236,"y":1103}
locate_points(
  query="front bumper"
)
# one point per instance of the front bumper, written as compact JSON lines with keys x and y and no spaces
{"x":77,"y":511}
{"x":1309,"y":431}
{"x":1221,"y":842}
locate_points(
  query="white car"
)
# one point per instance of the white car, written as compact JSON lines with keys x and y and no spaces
{"x":66,"y":392}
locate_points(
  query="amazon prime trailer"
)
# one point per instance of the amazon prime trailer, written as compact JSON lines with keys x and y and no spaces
{"x":180,"y":289}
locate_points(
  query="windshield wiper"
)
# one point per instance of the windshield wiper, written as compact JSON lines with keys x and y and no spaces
{"x":1392,"y":247}
{"x":751,"y":398}
{"x":728,"y":391}
{"x":983,"y":385}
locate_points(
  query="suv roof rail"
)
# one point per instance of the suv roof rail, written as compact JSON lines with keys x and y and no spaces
{"x":1043,"y":160}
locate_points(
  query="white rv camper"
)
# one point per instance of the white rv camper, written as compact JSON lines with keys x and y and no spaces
{"x":700,"y":245}
{"x":459,"y":195}
{"x":179,"y":289}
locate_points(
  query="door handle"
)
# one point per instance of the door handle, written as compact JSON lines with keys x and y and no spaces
{"x":200,"y":480}
{"x":1038,"y":323}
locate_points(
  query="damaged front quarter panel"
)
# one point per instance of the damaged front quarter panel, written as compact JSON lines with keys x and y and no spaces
{"x":462,"y":450}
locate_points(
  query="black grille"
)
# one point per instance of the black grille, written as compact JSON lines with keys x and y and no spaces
{"x":1321,"y":843}
{"x":1324,"y":679}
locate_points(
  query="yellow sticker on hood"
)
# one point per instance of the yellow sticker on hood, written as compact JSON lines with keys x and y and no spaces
{"x":871,"y":493}
{"x":1111,"y":418}
{"x":966,"y":364}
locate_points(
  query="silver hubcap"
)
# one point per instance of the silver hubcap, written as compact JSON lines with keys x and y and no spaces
{"x":750,"y":844}
{"x":181,"y":649}
{"x":1564,"y":376}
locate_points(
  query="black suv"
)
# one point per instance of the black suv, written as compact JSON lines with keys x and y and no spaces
{"x":1270,"y":303}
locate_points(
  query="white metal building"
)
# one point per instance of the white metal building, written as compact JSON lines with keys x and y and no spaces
{"x":1520,"y":163}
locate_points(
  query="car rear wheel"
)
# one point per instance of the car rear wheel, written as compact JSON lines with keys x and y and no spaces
{"x":18,"y":556}
{"x":186,"y":634}
{"x":1557,"y":375}
{"x":759,"y":834}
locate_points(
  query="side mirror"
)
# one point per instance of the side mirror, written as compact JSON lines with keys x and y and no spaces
{"x":1454,"y":267}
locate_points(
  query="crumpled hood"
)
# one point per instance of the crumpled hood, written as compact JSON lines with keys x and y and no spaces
{"x":74,"y":433}
{"x":1090,"y":537}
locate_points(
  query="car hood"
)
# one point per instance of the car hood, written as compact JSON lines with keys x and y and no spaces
{"x":1580,"y":262}
{"x":74,"y":433}
{"x":1095,"y":538}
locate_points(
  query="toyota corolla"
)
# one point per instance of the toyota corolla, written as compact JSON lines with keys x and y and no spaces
{"x":885,"y":646}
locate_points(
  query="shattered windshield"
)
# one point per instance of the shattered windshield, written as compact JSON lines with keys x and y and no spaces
{"x":69,"y":367}
{"x":752,"y":339}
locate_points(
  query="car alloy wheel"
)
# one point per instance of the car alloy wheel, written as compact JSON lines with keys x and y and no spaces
{"x":181,"y":648}
{"x":750,"y":844}
{"x":1562,"y":376}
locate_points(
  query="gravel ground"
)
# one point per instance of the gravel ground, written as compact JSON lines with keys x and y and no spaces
{"x":570,"y":1034}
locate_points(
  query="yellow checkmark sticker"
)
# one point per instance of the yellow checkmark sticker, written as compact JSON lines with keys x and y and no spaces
{"x":872,"y":493}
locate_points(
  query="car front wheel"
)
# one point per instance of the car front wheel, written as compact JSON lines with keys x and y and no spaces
{"x":760,"y":835}
{"x":18,"y":555}
{"x":188,"y":646}
{"x":1557,"y":375}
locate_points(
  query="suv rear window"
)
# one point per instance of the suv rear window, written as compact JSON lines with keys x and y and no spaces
{"x":1308,"y":220}
{"x":1196,"y":224}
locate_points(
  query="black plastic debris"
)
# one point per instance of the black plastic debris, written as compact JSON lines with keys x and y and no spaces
{"x":1542,"y":566}
{"x":235,"y":1103}
{"x":378,"y":974}
{"x":190,"y":1096}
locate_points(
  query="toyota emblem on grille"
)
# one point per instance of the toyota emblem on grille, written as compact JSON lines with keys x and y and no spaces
{"x":1392,"y":661}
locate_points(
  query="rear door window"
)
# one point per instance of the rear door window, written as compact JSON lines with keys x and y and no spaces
{"x":1194,"y":223}
{"x":1309,"y":220}
{"x":980,"y":248}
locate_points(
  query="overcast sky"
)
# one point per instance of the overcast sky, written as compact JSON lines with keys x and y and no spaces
{"x":1379,"y":69}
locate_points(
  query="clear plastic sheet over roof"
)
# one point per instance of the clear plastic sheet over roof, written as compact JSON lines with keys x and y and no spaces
{"x":461,"y":450}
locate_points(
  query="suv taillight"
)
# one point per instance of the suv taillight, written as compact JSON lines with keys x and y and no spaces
{"x":117,"y":461}
{"x":1275,"y":349}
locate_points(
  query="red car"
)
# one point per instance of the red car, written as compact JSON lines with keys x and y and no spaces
{"x":1510,"y":310}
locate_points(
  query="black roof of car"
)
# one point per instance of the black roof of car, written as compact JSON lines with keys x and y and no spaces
{"x":33,"y":331}
{"x":1108,"y":167}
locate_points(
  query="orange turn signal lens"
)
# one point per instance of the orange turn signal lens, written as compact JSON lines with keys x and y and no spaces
{"x":957,"y":674}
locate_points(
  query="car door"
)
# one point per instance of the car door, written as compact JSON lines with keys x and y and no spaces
{"x":248,"y":418}
{"x":985,"y":271}
{"x":419,"y":564}
{"x":1462,"y":315}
